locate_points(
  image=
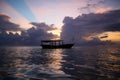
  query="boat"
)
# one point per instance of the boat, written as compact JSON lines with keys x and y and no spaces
{"x":53,"y":44}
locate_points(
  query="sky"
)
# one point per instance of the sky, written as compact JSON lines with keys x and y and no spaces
{"x":23,"y":12}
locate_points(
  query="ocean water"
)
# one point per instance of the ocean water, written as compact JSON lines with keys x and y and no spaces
{"x":79,"y":63}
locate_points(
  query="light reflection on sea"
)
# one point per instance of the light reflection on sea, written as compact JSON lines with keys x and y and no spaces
{"x":78,"y":63}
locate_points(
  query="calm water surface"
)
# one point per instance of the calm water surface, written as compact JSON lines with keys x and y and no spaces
{"x":78,"y":63}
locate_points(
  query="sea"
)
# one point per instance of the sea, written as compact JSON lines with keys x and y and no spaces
{"x":97,"y":62}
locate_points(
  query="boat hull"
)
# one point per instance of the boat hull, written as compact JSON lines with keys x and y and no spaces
{"x":64,"y":46}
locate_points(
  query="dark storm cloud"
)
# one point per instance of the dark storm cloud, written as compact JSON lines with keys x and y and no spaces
{"x":31,"y":37}
{"x":104,"y":36}
{"x":39,"y":32}
{"x":89,"y":25}
{"x":113,"y":27}
{"x":6,"y":24}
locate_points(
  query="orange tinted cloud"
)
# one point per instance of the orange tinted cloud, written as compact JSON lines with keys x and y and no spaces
{"x":102,"y":10}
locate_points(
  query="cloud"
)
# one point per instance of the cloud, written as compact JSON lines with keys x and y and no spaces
{"x":43,"y":26}
{"x":39,"y":32}
{"x":31,"y":36}
{"x":91,"y":5}
{"x":102,"y":10}
{"x":113,"y":27}
{"x":7,"y":25}
{"x":104,"y":36}
{"x":88,"y":25}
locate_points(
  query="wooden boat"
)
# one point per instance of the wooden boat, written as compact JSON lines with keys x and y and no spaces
{"x":53,"y":44}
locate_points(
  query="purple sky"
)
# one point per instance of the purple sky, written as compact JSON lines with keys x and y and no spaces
{"x":51,"y":11}
{"x":23,"y":12}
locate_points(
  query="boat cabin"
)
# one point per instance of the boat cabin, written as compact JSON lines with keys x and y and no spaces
{"x":52,"y":42}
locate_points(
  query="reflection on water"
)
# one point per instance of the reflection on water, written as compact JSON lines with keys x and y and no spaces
{"x":54,"y":59}
{"x":110,"y":62}
{"x":79,"y":63}
{"x":31,"y":63}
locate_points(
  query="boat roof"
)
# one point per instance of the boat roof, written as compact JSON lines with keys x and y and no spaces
{"x":51,"y":40}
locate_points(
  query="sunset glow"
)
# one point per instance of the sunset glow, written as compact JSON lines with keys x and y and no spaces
{"x":113,"y":36}
{"x":101,"y":10}
{"x":59,"y":39}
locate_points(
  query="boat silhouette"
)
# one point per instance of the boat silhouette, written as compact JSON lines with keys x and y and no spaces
{"x":53,"y":44}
